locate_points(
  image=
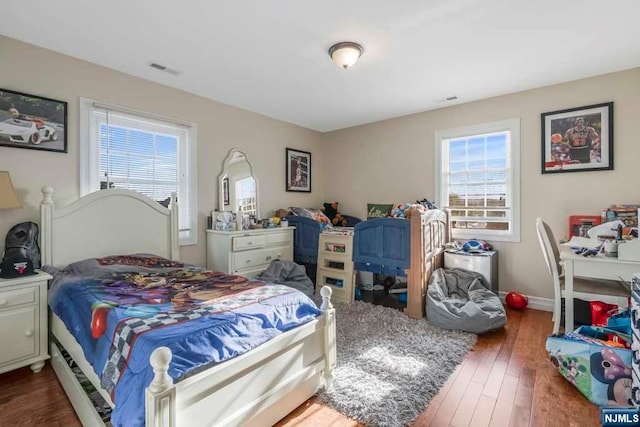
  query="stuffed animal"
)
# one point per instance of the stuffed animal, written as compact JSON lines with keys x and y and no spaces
{"x":331,"y":211}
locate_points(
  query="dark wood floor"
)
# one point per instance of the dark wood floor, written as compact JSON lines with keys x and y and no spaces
{"x":506,"y":380}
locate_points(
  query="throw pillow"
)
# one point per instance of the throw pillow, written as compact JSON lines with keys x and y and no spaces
{"x":377,"y":210}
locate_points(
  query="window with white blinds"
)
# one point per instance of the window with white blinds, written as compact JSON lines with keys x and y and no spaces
{"x":477,"y":179}
{"x":140,"y":152}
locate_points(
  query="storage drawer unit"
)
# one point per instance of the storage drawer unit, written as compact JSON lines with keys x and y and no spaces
{"x":485,"y":263}
{"x":23,"y":322}
{"x":335,"y":266}
{"x":248,"y":252}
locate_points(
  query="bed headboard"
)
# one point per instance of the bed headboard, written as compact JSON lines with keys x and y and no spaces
{"x":106,"y":222}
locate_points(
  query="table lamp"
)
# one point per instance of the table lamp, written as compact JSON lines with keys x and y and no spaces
{"x":8,"y":196}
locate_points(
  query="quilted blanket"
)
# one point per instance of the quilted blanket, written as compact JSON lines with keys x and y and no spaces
{"x":121,"y":308}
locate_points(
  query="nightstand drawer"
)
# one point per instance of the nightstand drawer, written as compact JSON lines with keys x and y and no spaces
{"x":248,"y":242}
{"x":19,"y":334}
{"x":19,"y":297}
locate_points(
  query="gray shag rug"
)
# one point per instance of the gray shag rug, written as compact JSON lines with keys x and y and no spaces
{"x":389,"y":366}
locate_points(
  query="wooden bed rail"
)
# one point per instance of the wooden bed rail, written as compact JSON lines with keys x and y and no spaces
{"x":160,"y":396}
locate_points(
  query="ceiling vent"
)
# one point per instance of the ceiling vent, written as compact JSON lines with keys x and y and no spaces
{"x":451,"y":98}
{"x":163,"y":68}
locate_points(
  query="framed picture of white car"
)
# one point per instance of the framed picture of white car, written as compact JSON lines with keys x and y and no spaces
{"x":30,"y":121}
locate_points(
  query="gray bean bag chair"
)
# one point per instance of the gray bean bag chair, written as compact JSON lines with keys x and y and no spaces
{"x":285,"y":272}
{"x":457,"y":299}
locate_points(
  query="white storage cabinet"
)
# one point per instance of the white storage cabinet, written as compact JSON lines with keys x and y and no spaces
{"x":335,"y":266}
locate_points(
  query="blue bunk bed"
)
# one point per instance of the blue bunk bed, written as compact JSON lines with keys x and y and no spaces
{"x":382,"y":245}
{"x":411,"y":248}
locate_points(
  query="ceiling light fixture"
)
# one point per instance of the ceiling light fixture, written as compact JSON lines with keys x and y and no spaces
{"x":345,"y":54}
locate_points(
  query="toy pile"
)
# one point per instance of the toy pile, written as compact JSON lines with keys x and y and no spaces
{"x":597,"y":359}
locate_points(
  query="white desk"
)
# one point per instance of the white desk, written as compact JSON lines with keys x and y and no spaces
{"x":598,"y":267}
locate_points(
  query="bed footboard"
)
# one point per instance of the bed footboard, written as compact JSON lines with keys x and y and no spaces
{"x":257,"y":388}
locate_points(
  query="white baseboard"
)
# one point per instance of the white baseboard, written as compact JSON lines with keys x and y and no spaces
{"x":538,"y":303}
{"x":546,"y":304}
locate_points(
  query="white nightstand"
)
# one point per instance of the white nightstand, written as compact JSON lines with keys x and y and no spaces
{"x":23,"y":322}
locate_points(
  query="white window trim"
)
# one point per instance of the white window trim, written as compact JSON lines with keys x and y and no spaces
{"x":512,"y":125}
{"x":89,"y":155}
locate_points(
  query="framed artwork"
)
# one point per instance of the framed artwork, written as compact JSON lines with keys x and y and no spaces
{"x":30,"y":121}
{"x":225,"y":190}
{"x":298,"y":177}
{"x":578,"y":139}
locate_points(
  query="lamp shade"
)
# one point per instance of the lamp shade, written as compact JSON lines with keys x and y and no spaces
{"x":8,"y":197}
{"x":345,"y":54}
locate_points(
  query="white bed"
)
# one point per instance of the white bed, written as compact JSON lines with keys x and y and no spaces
{"x":257,"y":388}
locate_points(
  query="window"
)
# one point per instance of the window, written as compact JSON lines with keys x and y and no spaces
{"x":478,"y":179}
{"x":121,"y":148}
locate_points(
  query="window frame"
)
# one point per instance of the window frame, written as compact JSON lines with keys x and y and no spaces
{"x":89,"y":156}
{"x":513,"y":177}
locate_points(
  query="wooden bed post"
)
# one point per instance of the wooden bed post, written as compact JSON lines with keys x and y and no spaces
{"x":416,"y":273}
{"x":160,"y":396}
{"x":46,"y":226}
{"x":329,"y":335}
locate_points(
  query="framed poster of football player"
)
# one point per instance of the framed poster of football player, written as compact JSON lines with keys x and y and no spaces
{"x":578,"y":139}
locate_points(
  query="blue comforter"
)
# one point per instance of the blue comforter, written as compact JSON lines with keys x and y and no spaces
{"x":120,"y":309}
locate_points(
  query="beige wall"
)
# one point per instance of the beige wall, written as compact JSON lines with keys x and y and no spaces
{"x":27,"y":68}
{"x":388,"y":161}
{"x":393,"y":160}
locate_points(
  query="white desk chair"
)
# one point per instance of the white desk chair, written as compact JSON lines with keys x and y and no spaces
{"x":586,"y":289}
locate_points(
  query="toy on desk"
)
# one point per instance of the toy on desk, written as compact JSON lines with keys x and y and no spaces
{"x":586,"y":252}
{"x":609,"y":229}
{"x":579,"y":225}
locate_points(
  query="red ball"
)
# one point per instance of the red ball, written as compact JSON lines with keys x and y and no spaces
{"x":516,"y":300}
